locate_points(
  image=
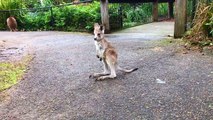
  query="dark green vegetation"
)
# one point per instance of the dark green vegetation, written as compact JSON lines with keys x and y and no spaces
{"x":58,"y":15}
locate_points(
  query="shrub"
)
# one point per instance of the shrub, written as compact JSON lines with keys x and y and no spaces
{"x":66,"y":18}
{"x":78,"y":17}
{"x":9,"y":5}
{"x":201,"y":32}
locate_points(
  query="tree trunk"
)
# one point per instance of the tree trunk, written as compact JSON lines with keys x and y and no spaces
{"x":105,"y":15}
{"x":180,"y":18}
{"x":155,"y":11}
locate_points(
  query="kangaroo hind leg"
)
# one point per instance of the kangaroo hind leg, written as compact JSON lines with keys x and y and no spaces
{"x":112,"y":66}
{"x":106,"y":71}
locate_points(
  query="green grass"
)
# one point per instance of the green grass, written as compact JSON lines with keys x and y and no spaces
{"x":164,"y":42}
{"x":168,"y":42}
{"x":11,"y":73}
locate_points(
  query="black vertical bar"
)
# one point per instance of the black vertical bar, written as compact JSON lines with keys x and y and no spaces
{"x":208,"y":1}
{"x":170,"y":9}
{"x":52,"y":20}
{"x":194,"y":6}
{"x":121,"y":15}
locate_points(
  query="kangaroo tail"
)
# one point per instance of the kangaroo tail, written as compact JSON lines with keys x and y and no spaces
{"x":127,"y":70}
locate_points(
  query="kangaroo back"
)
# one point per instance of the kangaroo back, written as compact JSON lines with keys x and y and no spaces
{"x":12,"y":24}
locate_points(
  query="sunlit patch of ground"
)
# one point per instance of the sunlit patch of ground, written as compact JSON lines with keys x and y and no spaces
{"x":12,"y":72}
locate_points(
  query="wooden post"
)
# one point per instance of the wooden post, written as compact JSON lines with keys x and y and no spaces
{"x":105,"y":15}
{"x":155,"y":11}
{"x":171,"y":10}
{"x":180,"y":18}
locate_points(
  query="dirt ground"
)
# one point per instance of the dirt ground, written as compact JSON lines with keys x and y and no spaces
{"x":169,"y":84}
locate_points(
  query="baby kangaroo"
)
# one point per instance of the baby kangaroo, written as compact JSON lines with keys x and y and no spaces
{"x":107,"y":54}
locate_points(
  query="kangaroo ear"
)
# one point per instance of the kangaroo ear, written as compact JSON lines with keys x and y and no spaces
{"x":96,"y":25}
{"x":102,"y":28}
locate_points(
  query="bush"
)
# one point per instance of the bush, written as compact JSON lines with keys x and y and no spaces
{"x":80,"y":17}
{"x":163,"y":9}
{"x":201,"y":32}
{"x":9,"y":5}
{"x":67,"y":18}
{"x":134,"y":14}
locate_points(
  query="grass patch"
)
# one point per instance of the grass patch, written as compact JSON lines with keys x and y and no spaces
{"x":11,"y":73}
{"x":167,"y":42}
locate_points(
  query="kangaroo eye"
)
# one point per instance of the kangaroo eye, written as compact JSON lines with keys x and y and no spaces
{"x":99,"y":34}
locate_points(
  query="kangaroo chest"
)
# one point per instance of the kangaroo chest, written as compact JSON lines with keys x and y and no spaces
{"x":99,"y":49}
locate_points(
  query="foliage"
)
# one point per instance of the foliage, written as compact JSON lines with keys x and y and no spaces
{"x":134,"y":14}
{"x":163,"y":9}
{"x":77,"y":17}
{"x":11,"y":4}
{"x":201,"y":32}
{"x":209,"y":23}
{"x":67,"y":18}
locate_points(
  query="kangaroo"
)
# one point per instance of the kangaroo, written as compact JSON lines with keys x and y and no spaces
{"x":107,"y":54}
{"x":12,"y":24}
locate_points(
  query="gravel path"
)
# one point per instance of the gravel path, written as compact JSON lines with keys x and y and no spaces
{"x":168,"y":85}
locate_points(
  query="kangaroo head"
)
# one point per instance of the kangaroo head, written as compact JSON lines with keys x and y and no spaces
{"x":98,"y":32}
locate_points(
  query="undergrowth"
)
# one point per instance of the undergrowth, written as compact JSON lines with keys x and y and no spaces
{"x":201,"y":33}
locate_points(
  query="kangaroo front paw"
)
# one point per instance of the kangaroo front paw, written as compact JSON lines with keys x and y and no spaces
{"x":91,"y":76}
{"x":99,"y":57}
{"x":101,"y":78}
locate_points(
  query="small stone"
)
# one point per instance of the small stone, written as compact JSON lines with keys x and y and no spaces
{"x":160,"y":81}
{"x":185,"y":52}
